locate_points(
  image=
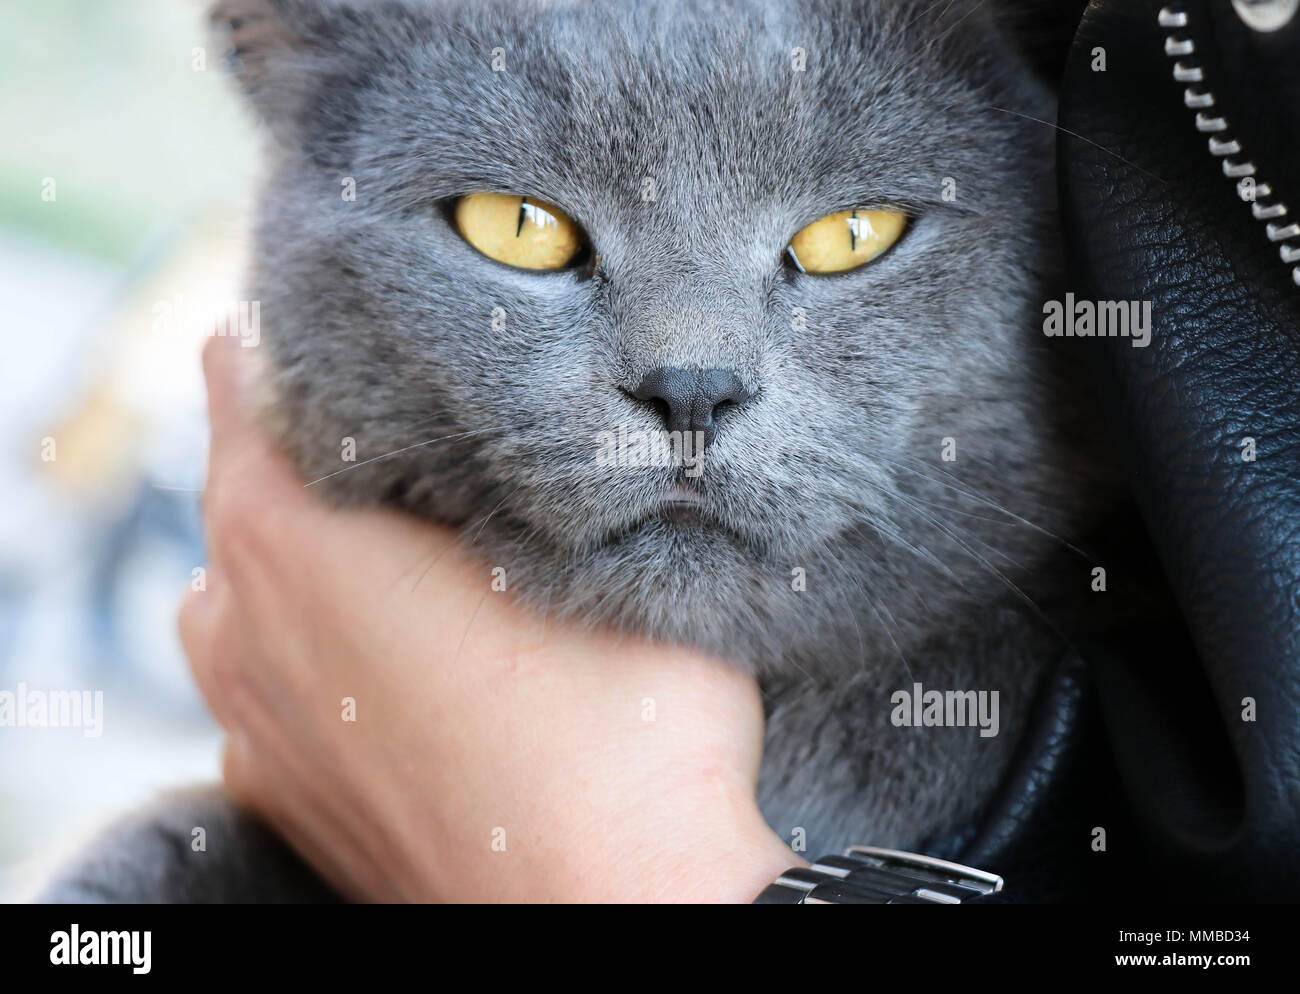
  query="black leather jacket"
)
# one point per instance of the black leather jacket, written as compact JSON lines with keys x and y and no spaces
{"x":1183,"y":745}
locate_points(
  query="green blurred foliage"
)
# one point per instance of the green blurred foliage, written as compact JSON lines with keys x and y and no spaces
{"x":103,"y":96}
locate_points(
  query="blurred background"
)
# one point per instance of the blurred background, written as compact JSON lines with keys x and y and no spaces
{"x":125,"y":170}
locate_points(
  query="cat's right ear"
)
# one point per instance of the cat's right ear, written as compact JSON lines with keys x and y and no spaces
{"x":276,"y":50}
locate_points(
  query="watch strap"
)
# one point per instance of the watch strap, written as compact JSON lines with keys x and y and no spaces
{"x":870,"y":875}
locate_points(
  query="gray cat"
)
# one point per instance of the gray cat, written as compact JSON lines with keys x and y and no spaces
{"x":897,"y":455}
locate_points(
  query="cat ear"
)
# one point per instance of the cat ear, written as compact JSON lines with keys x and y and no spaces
{"x":273,"y":49}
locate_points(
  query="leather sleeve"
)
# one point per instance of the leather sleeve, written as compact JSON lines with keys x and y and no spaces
{"x":1207,"y":417}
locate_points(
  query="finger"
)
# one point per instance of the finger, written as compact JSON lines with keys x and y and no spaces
{"x":222,"y":657}
{"x":207,"y":631}
{"x":223,"y":373}
{"x":229,"y":660}
{"x":238,"y":443}
{"x":247,"y":780}
{"x":260,"y":780}
{"x":292,"y":745}
{"x":253,"y":500}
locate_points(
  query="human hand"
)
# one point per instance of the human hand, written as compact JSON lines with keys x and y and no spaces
{"x":491,"y":755}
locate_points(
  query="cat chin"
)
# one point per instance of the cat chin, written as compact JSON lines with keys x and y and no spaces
{"x":678,"y":580}
{"x":681,"y":532}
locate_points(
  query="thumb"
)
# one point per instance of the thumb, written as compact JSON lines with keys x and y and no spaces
{"x":224,"y":373}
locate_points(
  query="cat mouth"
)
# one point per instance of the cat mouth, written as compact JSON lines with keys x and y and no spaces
{"x":681,"y":510}
{"x":683,"y":504}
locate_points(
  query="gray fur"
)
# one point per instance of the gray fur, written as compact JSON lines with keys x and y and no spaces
{"x":153,"y":855}
{"x":377,"y":326}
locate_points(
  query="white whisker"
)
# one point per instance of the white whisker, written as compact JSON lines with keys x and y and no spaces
{"x":408,"y":448}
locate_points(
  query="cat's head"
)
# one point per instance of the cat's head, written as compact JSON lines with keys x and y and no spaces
{"x":688,"y":143}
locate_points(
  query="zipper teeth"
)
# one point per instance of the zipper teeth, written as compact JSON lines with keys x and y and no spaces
{"x":1264,"y":206}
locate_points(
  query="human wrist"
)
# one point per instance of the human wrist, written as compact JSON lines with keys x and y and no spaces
{"x":733,"y":870}
{"x":726,"y":855}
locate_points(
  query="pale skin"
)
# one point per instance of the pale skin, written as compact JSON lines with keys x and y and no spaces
{"x":495,"y":755}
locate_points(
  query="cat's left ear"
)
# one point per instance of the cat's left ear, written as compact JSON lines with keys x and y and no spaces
{"x":284,"y":53}
{"x":272,"y":48}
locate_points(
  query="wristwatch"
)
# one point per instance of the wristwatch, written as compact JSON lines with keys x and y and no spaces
{"x":868,"y":875}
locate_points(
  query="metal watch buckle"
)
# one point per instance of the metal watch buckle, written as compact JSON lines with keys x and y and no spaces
{"x":871,"y":875}
{"x":965,"y":876}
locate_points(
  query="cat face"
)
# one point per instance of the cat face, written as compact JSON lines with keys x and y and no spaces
{"x":689,"y":143}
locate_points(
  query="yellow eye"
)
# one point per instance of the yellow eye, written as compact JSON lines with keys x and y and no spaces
{"x":845,"y":240}
{"x":520,"y":231}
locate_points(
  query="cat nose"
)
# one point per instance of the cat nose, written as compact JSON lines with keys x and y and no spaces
{"x":689,"y":399}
